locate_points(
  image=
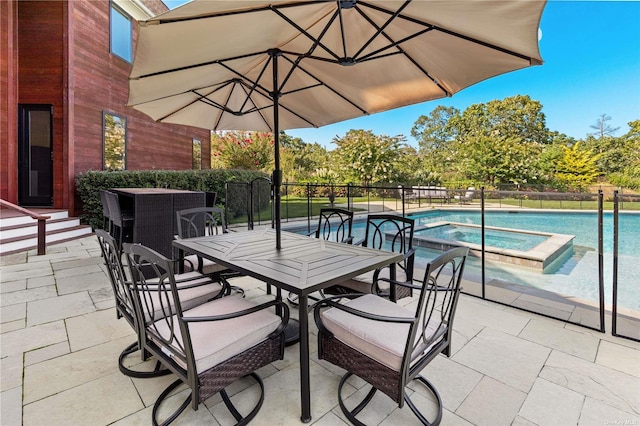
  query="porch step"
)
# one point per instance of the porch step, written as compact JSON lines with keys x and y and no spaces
{"x":20,"y":232}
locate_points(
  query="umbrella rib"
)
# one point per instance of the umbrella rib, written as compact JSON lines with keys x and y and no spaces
{"x":255,"y":84}
{"x":316,"y":41}
{"x":201,"y":64}
{"x":342,"y":35}
{"x":379,"y":30}
{"x":259,"y":89}
{"x":190,"y":103}
{"x":450,"y":32}
{"x":301,"y":68}
{"x":396,"y":44}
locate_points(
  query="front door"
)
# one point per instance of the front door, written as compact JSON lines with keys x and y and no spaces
{"x":35,"y":155}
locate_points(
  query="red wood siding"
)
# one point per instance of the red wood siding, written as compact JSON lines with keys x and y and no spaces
{"x":8,"y":96}
{"x":40,"y":72}
{"x":101,"y":84}
{"x":57,"y":52}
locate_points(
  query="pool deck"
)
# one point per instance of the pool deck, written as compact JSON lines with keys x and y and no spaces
{"x":60,"y":341}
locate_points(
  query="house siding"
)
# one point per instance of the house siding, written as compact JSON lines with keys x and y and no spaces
{"x":64,"y":59}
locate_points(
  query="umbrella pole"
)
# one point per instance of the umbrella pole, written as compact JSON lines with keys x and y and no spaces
{"x":277,"y":174}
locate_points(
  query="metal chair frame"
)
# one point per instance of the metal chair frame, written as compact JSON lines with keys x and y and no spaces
{"x":125,"y":307}
{"x":201,"y":221}
{"x":429,"y":334}
{"x":389,"y":232}
{"x":177,"y":353}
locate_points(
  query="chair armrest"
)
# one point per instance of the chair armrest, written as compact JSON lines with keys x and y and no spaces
{"x":348,"y":240}
{"x":284,"y":315}
{"x":407,"y":284}
{"x":358,"y":243}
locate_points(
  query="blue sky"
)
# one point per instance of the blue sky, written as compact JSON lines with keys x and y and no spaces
{"x":591,"y":53}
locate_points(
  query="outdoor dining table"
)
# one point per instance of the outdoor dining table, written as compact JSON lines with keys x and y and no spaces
{"x":154,"y":213}
{"x":302,"y":266}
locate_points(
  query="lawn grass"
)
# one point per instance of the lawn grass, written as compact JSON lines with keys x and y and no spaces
{"x":298,"y":207}
{"x":562,"y":204}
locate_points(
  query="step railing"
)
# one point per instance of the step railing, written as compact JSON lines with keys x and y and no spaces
{"x":42,"y":220}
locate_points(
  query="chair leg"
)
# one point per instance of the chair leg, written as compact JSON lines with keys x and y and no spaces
{"x":351,"y":414}
{"x":243,"y":420}
{"x":415,"y":409}
{"x":157,"y":372}
{"x":165,"y":393}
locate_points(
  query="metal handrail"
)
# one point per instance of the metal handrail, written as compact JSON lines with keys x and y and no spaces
{"x":42,"y":230}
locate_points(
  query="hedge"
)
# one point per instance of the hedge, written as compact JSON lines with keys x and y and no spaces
{"x":89,"y":184}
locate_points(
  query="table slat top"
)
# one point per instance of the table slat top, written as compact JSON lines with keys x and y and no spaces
{"x":303,"y":264}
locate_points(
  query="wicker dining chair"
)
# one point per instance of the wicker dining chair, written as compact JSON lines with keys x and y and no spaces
{"x":384,"y":232}
{"x":209,"y":346}
{"x":194,"y":289}
{"x":106,"y":219}
{"x":120,"y":223}
{"x":388,"y":345}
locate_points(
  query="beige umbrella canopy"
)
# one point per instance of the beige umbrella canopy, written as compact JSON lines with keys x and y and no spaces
{"x":270,"y":66}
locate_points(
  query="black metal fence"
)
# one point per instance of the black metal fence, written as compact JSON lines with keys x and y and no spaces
{"x":581,"y":267}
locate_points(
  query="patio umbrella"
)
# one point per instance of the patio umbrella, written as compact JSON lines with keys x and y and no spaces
{"x":272,"y":66}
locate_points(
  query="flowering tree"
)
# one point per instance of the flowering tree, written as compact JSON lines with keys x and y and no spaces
{"x":368,"y":158}
{"x":242,"y":150}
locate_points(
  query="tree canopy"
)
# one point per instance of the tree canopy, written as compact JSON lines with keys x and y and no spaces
{"x":494,"y":143}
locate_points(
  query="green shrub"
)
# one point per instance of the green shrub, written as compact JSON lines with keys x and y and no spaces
{"x":624,"y":180}
{"x":89,"y":184}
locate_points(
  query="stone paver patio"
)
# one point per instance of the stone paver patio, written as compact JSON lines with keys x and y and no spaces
{"x":60,"y":342}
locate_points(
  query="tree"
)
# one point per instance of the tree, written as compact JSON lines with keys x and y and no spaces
{"x":300,"y":161}
{"x":602,"y":129}
{"x":498,"y":159}
{"x":368,"y":158}
{"x":434,"y":131}
{"x":577,"y":167}
{"x":500,"y":141}
{"x":242,"y":150}
{"x":517,"y":117}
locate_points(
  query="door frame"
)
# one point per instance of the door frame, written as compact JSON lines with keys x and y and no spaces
{"x":24,"y":164}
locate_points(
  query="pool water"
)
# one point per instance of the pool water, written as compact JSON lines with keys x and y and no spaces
{"x":492,"y":237}
{"x":575,"y":275}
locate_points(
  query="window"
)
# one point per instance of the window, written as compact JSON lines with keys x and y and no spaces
{"x":121,"y":33}
{"x":114,"y":138}
{"x":196,"y":153}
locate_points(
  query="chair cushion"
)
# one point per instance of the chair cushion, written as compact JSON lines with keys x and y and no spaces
{"x":208,"y":267}
{"x":202,"y":291}
{"x":217,"y":341}
{"x":385,"y":342}
{"x":364,"y":283}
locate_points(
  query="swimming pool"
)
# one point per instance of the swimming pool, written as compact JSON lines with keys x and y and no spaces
{"x":574,"y":274}
{"x":498,"y":238}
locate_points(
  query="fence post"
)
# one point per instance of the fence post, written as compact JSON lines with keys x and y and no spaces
{"x":308,"y":207}
{"x":482,"y":236}
{"x":42,"y":232}
{"x":402,"y":197}
{"x":601,"y":257}
{"x":614,"y":298}
{"x":250,"y":212}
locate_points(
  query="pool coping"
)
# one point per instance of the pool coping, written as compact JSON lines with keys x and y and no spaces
{"x":538,"y":257}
